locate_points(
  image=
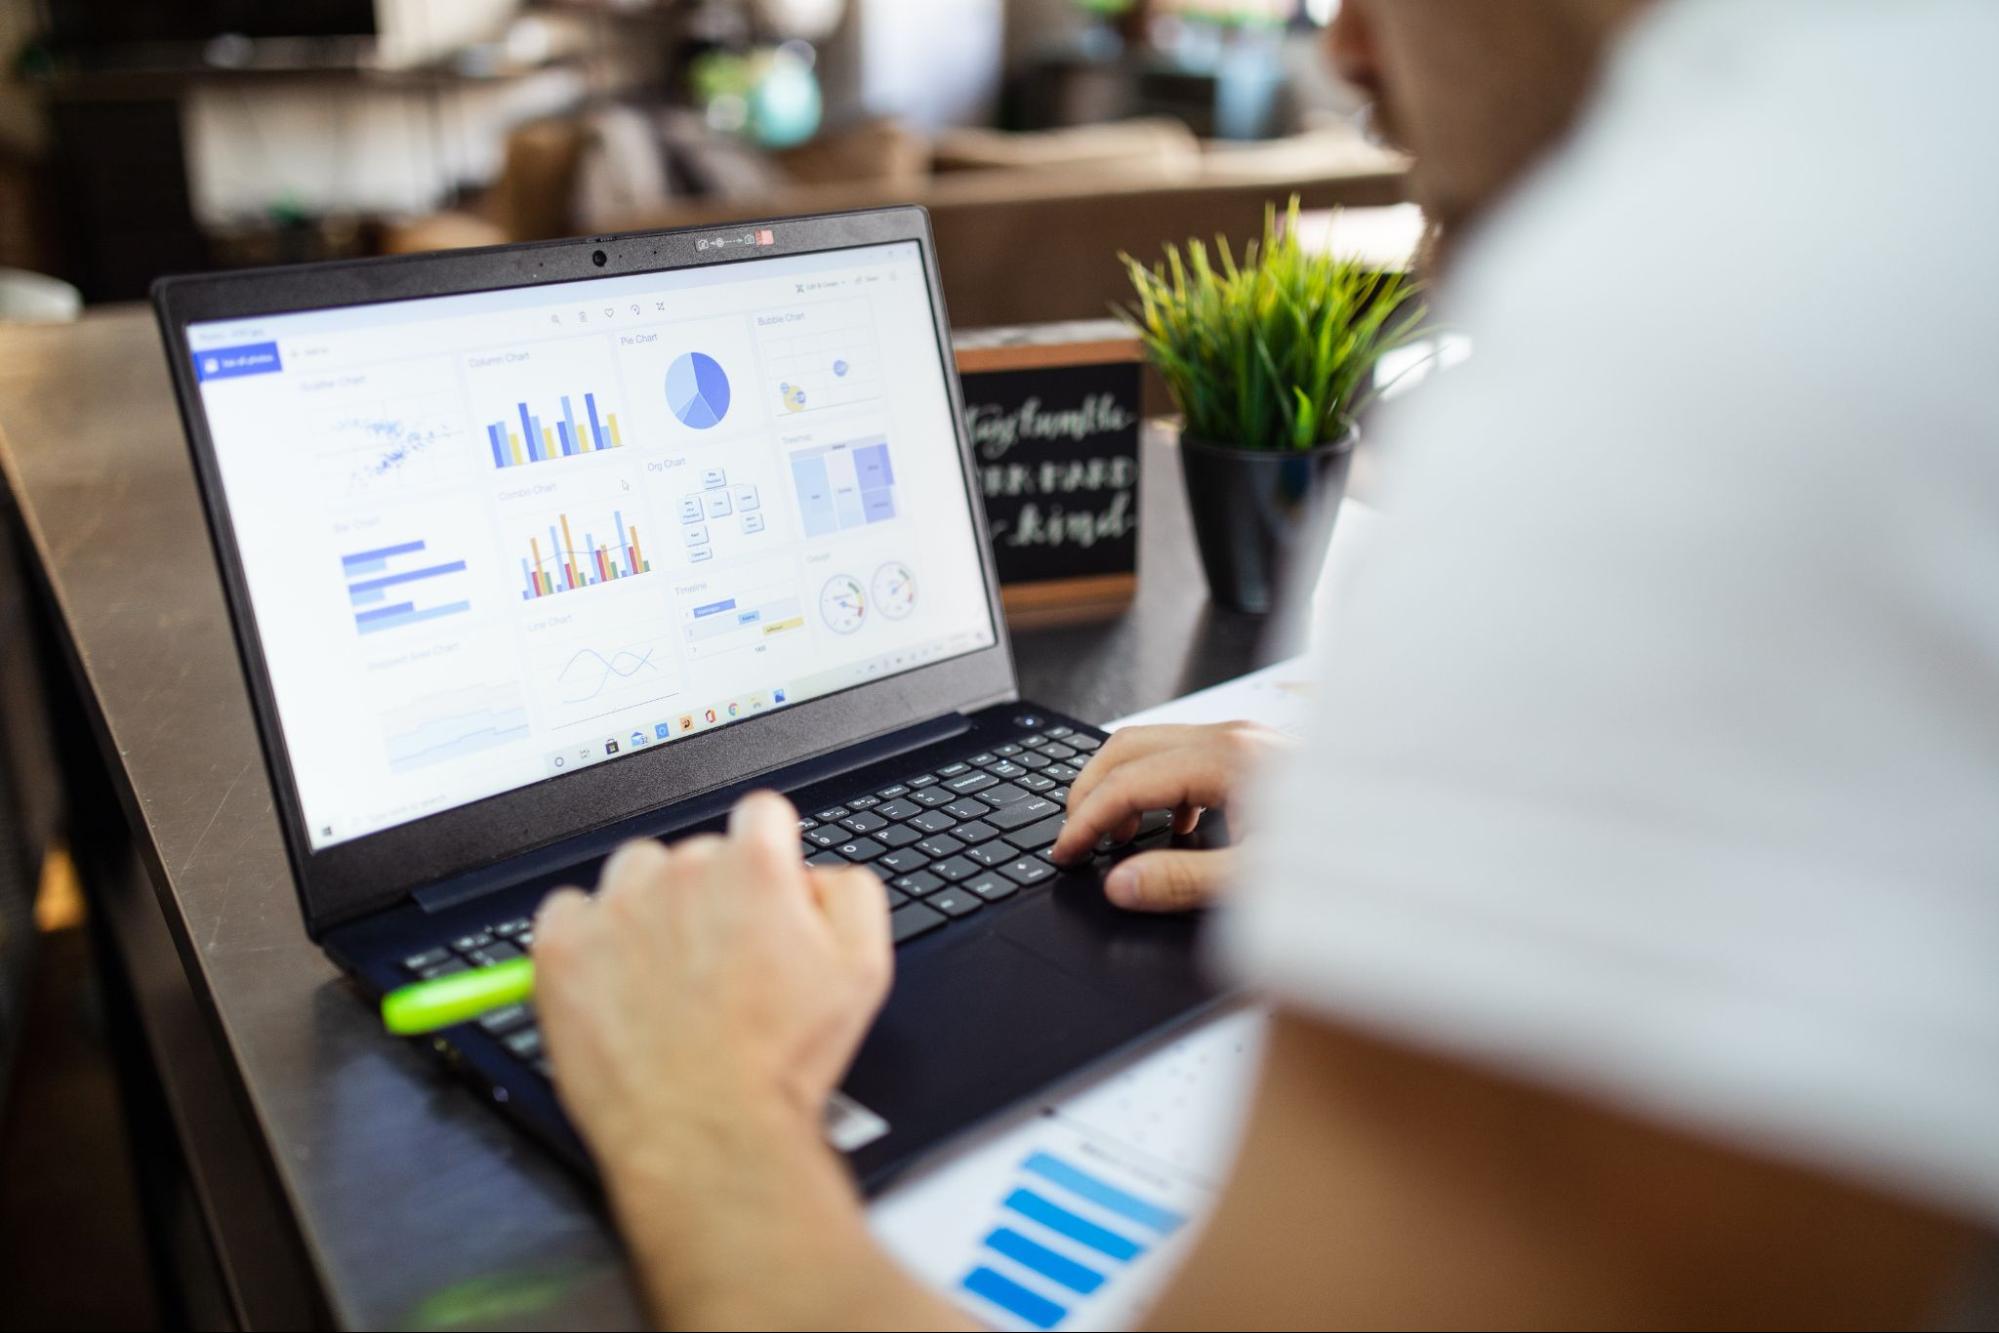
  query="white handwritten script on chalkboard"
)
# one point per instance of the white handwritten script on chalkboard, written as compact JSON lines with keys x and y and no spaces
{"x":1057,"y":450}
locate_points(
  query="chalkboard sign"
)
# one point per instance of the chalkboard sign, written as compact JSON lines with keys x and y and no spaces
{"x":1054,"y":418}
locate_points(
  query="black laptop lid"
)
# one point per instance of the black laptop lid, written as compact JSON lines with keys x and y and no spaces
{"x":525,"y":542}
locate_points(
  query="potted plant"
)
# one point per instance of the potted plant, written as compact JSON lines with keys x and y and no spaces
{"x":1268,"y":360}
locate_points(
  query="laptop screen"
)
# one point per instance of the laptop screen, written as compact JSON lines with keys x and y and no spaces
{"x":492,"y":539}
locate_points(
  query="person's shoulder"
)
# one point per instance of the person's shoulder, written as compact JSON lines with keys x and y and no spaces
{"x":1785,"y":135}
{"x":1763,"y":204}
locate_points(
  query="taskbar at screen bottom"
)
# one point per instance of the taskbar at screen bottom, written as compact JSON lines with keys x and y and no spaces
{"x":669,"y":720}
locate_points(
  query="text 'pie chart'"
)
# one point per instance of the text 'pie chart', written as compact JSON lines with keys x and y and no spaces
{"x":697,"y":391}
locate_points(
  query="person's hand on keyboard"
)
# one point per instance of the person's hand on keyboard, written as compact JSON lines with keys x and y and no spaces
{"x":698,"y":1012}
{"x":1182,"y":769}
{"x":719,"y":972}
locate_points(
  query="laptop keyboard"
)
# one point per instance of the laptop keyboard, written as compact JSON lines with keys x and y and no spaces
{"x":945,"y":843}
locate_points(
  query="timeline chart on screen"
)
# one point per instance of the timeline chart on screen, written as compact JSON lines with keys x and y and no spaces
{"x":727,"y":623}
{"x":570,"y":556}
{"x":844,"y":486}
{"x":454,"y":725}
{"x":528,"y":437}
{"x":392,"y":587}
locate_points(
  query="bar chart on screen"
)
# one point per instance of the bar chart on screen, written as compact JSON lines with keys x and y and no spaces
{"x":572,"y":552}
{"x":392,"y":587}
{"x":580,"y":423}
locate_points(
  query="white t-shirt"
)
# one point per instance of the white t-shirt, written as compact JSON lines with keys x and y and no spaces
{"x":1658,"y":752}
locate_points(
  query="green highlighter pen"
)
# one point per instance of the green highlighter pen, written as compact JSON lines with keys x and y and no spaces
{"x":461,"y":997}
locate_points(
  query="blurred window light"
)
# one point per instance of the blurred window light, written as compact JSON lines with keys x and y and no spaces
{"x":1322,"y":12}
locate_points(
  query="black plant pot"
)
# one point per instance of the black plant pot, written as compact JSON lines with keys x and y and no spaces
{"x":1260,"y":513}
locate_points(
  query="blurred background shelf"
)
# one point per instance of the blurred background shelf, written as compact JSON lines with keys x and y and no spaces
{"x":1046,"y":135}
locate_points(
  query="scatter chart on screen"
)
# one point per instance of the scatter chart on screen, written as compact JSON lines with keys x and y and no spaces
{"x":379,"y":432}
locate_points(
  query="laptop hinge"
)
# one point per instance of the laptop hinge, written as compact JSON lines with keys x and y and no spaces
{"x":685,"y":814}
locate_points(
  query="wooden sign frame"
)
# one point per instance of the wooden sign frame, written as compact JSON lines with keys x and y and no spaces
{"x":1044,"y":601}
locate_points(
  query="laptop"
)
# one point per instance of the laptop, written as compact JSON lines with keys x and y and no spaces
{"x":533,"y":550}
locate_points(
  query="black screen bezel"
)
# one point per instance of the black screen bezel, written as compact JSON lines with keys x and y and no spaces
{"x":351,"y":878}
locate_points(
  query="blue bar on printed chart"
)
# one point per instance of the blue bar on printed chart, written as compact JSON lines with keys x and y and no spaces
{"x":1101,"y":1192}
{"x":1061,"y":1237}
{"x":1077,"y":1228}
{"x":1015,"y":1299}
{"x":1051,"y":1264}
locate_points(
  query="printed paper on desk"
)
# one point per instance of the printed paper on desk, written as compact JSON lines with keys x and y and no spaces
{"x":1073,"y":1215}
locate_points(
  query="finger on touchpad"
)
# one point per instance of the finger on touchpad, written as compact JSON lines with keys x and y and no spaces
{"x":1152,"y":822}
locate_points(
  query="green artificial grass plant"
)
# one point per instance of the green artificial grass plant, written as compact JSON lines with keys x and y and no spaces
{"x":1271,"y":352}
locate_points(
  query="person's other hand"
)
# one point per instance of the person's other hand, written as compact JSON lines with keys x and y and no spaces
{"x":1184,"y":769}
{"x":717,"y":977}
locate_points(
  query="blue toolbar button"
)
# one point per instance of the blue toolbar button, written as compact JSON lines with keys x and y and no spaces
{"x":227,"y":363}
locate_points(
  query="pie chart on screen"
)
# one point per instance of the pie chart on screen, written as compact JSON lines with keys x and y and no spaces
{"x":697,"y":391}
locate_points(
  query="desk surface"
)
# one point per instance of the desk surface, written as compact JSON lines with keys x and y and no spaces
{"x":413,"y":1204}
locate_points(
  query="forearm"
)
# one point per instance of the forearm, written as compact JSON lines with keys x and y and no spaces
{"x":1382,"y":1187}
{"x":748,"y":1220}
